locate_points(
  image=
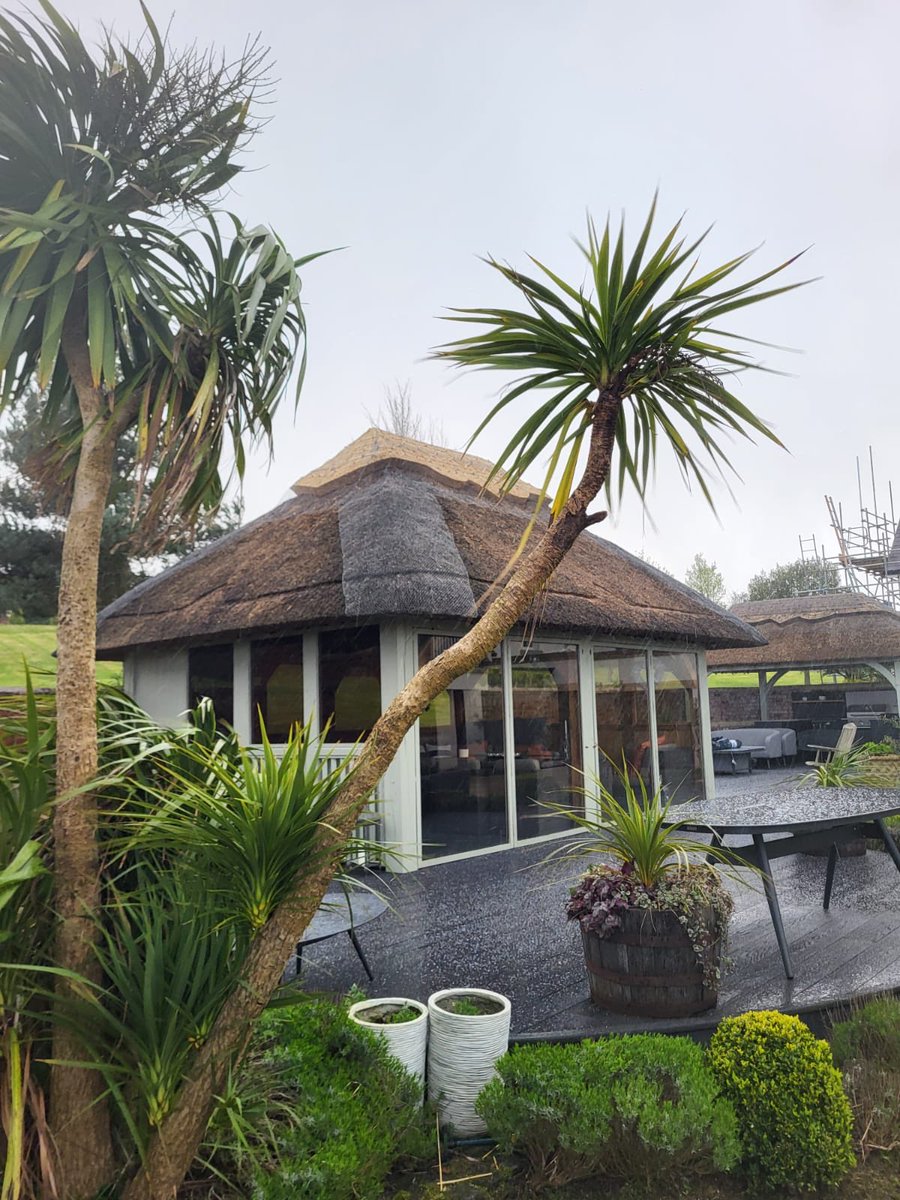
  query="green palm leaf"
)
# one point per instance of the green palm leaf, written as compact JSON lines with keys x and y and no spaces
{"x":644,"y":340}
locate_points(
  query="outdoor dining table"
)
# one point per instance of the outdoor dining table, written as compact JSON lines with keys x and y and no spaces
{"x":791,"y":821}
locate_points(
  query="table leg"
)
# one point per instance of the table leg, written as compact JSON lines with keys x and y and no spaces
{"x":829,"y":874}
{"x":889,"y":844}
{"x":351,"y":933}
{"x":716,"y":843}
{"x":772,"y":898}
{"x":298,"y":959}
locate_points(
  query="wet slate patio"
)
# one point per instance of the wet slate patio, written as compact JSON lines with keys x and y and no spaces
{"x":497,"y":921}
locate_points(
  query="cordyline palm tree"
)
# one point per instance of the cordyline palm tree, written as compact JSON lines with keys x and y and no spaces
{"x":609,"y":373}
{"x":129,"y":322}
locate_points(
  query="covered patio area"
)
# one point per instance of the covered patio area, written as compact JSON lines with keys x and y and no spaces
{"x":853,"y":636}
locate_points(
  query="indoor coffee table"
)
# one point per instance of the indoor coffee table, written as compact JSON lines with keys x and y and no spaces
{"x":741,"y":756}
{"x":791,"y":822}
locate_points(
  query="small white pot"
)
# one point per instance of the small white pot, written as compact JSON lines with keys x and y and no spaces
{"x":406,"y":1041}
{"x":462,"y":1052}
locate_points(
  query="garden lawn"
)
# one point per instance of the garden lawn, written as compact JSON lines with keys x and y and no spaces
{"x":749,"y":679}
{"x":34,"y":645}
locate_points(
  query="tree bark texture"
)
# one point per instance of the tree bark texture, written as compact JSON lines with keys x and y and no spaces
{"x":78,"y":1112}
{"x":175,"y":1144}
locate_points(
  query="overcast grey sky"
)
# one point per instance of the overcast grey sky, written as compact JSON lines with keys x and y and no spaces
{"x":420,"y":135}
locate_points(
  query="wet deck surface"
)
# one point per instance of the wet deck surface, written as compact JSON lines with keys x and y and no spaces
{"x":497,"y":921}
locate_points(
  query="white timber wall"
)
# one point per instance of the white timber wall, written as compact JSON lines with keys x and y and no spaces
{"x":158,"y":681}
{"x":400,"y":786}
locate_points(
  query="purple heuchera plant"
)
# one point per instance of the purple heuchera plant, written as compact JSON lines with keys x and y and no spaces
{"x":601,"y":896}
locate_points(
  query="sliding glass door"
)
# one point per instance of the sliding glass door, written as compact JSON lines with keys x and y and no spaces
{"x":462,"y":761}
{"x":677,"y":698}
{"x":547,"y":737}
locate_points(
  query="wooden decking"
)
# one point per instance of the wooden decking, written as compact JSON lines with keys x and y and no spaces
{"x":497,"y":921}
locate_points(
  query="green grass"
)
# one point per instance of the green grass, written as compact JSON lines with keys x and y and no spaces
{"x":751,"y":680}
{"x":35,"y":644}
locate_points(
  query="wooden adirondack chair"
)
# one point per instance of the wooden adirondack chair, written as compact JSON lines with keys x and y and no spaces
{"x":824,"y":754}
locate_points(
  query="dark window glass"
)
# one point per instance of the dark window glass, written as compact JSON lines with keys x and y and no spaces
{"x":276,"y":672}
{"x":623,"y":719}
{"x":461,"y":759}
{"x":677,"y":694}
{"x":547,"y":732}
{"x":350,"y":681}
{"x":211,"y":673}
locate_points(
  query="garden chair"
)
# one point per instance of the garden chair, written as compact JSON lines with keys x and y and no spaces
{"x":824,"y":754}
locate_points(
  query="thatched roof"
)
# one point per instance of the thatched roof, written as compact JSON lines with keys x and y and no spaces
{"x":396,"y":536}
{"x":814,"y":631}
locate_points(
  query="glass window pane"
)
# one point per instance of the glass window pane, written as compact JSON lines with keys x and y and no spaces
{"x":276,"y":681}
{"x":462,"y":760}
{"x":350,"y":681}
{"x":623,"y":718}
{"x":211,"y":673}
{"x":547,"y":731}
{"x":677,"y":694}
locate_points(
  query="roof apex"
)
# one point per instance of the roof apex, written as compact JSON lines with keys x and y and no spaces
{"x":378,"y":445}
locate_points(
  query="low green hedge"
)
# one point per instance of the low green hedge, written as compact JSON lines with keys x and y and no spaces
{"x":318,"y":1111}
{"x":623,"y":1107}
{"x":794,"y":1119}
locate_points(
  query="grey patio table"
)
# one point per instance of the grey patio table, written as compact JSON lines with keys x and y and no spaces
{"x":790,"y":822}
{"x":341,"y":911}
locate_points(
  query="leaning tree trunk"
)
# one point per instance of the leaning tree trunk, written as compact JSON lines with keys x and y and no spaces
{"x":176,"y":1142}
{"x":78,"y":1111}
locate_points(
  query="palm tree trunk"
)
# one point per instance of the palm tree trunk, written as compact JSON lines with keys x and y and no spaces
{"x":79,"y":1114}
{"x":176,"y":1143}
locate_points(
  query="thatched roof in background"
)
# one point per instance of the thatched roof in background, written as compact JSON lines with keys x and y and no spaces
{"x":814,"y":631}
{"x":395,"y":536}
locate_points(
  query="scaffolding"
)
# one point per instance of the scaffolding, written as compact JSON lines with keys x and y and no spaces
{"x":868,"y":552}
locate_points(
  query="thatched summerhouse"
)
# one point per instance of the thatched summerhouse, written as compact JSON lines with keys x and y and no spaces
{"x":325,"y":606}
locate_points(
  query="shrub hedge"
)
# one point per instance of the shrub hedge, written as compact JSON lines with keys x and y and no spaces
{"x":794,"y":1119}
{"x":319,"y":1110}
{"x":624,"y":1107}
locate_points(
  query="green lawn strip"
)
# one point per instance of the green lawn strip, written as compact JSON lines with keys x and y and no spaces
{"x":34,"y":645}
{"x":749,"y":679}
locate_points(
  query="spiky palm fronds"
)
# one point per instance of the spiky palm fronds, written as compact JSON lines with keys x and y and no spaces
{"x":642,"y":335}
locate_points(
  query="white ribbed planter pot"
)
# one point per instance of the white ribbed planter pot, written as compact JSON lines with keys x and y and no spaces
{"x":462,"y":1052}
{"x":406,"y":1041}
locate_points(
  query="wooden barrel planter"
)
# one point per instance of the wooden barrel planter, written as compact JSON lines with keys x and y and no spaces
{"x":647,"y":968}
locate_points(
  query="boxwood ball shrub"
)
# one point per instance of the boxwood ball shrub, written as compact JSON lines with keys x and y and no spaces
{"x":320,"y":1111}
{"x":794,"y":1119}
{"x":624,"y":1107}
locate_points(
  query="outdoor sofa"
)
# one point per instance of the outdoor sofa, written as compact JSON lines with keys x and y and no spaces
{"x":774,"y":744}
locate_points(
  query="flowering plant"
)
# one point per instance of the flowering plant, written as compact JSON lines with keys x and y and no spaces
{"x":694,"y":894}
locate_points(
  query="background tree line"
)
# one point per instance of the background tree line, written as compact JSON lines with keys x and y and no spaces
{"x":33,"y":509}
